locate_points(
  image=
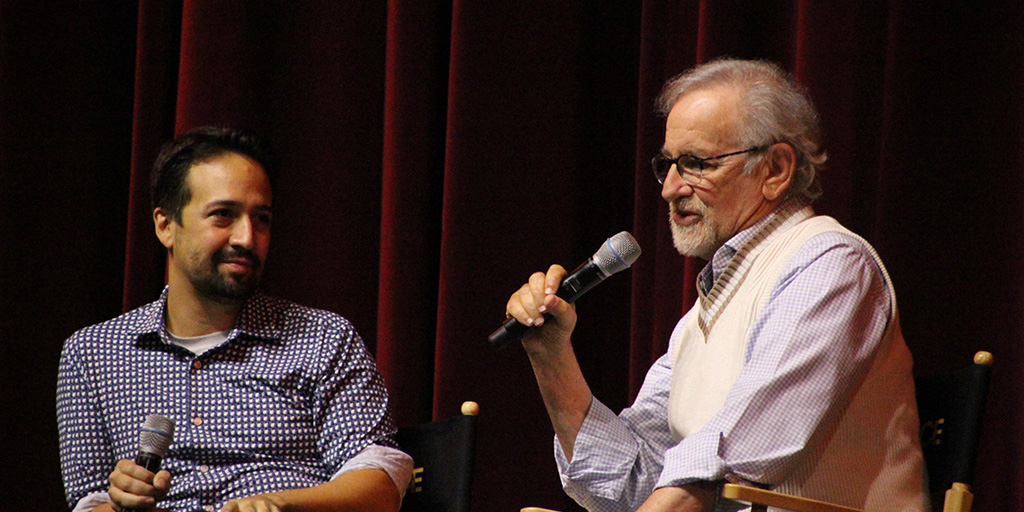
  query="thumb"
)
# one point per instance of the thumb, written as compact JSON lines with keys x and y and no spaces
{"x":162,"y":481}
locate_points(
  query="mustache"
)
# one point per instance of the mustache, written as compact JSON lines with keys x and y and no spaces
{"x":235,"y":254}
{"x":691,"y":205}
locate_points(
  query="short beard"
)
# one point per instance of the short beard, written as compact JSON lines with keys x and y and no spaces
{"x":231,"y":289}
{"x":699,"y":240}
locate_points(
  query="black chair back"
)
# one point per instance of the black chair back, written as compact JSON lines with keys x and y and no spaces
{"x":443,"y":454}
{"x":951,"y":407}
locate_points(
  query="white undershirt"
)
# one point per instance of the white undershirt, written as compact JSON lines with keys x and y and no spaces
{"x":199,"y":345}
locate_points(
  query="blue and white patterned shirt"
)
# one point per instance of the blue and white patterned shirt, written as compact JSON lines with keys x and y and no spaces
{"x":618,"y":460}
{"x":285,"y":402}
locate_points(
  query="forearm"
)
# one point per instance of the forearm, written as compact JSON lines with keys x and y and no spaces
{"x":565,"y":392}
{"x":109,"y":507}
{"x":695,"y":497}
{"x":361,"y":490}
{"x":614,"y":468}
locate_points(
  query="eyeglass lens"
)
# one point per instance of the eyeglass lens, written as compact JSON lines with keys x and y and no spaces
{"x":692,"y":168}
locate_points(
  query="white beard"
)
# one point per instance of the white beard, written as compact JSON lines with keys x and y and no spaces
{"x":699,"y":239}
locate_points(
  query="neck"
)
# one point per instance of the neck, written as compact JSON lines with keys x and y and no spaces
{"x":189,"y":314}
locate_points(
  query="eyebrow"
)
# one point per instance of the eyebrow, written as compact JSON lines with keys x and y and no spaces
{"x":666,"y":153}
{"x":225,"y":203}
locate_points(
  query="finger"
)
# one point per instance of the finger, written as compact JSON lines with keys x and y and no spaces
{"x":124,"y":500}
{"x":129,"y":484}
{"x":522,"y":305}
{"x":162,"y":482}
{"x":537,"y":293}
{"x":130,"y":469}
{"x":553,"y":278}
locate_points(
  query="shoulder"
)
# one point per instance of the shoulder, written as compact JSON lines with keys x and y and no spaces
{"x":292,"y":312}
{"x":836,"y":256}
{"x":296,"y":321}
{"x":826,"y":236}
{"x":127,"y":326}
{"x":99,"y":347}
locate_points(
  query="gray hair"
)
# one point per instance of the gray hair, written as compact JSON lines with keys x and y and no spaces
{"x":775,"y":109}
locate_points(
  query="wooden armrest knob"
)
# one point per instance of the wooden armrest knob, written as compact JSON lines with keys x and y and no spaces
{"x":470,"y":409}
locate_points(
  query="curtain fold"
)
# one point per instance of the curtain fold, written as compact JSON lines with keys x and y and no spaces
{"x":533,"y":176}
{"x":435,"y":153}
{"x":415,"y":111}
{"x":158,"y":44}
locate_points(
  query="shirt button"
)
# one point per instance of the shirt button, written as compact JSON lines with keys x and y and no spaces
{"x":197,"y":421}
{"x":204,"y":468}
{"x":208,"y":507}
{"x":197,"y":364}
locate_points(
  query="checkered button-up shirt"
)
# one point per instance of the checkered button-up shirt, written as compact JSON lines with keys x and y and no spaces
{"x":284,"y":402}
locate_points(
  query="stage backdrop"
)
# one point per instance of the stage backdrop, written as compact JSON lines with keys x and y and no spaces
{"x":438,"y":152}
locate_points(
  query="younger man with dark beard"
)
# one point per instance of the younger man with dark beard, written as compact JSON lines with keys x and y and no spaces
{"x":277,"y":406}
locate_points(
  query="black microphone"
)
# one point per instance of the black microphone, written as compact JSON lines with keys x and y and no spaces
{"x":154,"y":439}
{"x":615,"y":254}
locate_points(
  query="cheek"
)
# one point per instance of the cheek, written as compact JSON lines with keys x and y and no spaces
{"x":708,"y":198}
{"x":263,"y":240}
{"x":206,"y":241}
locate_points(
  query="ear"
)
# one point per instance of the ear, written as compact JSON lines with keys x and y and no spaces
{"x":165,"y":226}
{"x":781,"y":165}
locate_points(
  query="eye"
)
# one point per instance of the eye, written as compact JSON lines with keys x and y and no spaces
{"x":663,"y":164}
{"x":692,"y":164}
{"x":222,"y":216}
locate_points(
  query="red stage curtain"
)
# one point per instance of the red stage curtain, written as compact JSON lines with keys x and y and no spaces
{"x":436,"y":153}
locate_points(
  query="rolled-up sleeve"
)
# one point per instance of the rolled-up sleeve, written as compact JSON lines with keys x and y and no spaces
{"x":618,"y":458}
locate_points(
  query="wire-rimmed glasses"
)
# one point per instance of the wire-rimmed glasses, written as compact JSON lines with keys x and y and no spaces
{"x":691,"y":168}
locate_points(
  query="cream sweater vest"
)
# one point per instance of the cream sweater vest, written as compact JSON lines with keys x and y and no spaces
{"x":872,"y":459}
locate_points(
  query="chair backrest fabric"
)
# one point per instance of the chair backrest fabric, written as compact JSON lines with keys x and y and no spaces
{"x":951,"y":407}
{"x":443,"y":454}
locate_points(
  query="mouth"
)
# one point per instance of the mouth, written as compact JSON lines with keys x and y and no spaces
{"x":684,"y":217}
{"x":239,"y":264}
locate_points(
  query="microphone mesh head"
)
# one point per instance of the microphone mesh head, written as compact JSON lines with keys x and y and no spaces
{"x":617,"y":253}
{"x":155,"y":436}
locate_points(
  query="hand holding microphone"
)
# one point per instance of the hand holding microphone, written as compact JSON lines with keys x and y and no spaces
{"x":129,"y":487}
{"x":616,"y":254}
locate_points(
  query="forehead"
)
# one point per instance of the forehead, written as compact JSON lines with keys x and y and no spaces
{"x":229,"y":177}
{"x":703,"y":120}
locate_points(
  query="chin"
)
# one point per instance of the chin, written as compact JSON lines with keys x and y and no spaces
{"x":693,"y":242}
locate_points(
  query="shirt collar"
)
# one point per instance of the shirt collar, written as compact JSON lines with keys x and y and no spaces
{"x":258,"y":319}
{"x":720,"y":260}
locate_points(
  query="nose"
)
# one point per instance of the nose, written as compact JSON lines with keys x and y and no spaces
{"x":242,"y":232}
{"x":675,"y":186}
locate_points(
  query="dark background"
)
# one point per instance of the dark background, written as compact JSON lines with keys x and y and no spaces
{"x":436,"y":153}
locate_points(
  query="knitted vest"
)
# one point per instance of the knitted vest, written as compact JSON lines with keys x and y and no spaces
{"x":872,"y":458}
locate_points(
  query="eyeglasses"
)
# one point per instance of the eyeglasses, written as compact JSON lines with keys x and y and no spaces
{"x":690,"y":168}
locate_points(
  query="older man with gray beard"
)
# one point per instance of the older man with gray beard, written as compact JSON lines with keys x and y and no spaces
{"x":789,"y":372}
